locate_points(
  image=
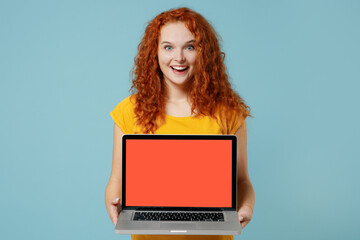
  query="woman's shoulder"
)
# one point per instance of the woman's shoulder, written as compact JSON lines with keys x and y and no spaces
{"x":127,"y":103}
{"x":123,"y":114}
{"x":231,"y":118}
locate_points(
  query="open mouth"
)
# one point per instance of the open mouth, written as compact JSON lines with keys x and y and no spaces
{"x":179,"y":69}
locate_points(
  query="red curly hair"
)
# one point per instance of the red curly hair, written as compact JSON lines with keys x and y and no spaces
{"x":210,"y":92}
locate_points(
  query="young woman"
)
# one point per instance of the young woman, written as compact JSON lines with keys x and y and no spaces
{"x":180,"y":87}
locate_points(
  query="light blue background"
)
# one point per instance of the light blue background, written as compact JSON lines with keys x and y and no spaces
{"x":65,"y":65}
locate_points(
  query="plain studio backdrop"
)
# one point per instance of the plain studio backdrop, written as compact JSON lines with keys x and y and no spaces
{"x":64,"y":65}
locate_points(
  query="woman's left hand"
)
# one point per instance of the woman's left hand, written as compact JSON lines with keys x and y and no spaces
{"x":245,"y":214}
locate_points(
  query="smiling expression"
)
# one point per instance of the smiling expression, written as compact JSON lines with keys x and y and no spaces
{"x":176,"y":53}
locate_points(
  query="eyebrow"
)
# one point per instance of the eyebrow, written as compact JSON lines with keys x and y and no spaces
{"x":166,"y":42}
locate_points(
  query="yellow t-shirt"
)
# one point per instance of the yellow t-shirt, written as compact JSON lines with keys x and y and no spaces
{"x":124,"y":116}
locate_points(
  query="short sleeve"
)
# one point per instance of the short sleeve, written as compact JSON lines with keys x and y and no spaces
{"x":124,"y":116}
{"x":236,"y":121}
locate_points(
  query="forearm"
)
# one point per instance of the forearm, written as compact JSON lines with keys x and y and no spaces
{"x":246,"y":195}
{"x":113,"y":190}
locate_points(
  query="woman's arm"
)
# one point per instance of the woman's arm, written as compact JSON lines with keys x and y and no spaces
{"x":113,"y":189}
{"x":246,"y":193}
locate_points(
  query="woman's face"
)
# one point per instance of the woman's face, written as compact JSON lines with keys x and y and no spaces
{"x":176,"y":53}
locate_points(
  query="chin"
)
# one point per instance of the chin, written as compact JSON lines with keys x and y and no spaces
{"x":180,"y":81}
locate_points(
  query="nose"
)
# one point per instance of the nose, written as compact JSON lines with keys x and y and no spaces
{"x":179,"y":55}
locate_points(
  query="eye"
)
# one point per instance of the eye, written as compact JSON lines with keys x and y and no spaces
{"x":190,"y":47}
{"x":167,"y":47}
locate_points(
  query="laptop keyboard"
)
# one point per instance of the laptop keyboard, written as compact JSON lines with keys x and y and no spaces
{"x":178,"y":216}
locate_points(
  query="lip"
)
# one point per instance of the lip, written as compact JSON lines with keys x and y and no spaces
{"x":178,"y":65}
{"x":177,"y":72}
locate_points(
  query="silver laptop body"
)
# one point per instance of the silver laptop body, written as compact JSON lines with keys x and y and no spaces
{"x":170,"y":177}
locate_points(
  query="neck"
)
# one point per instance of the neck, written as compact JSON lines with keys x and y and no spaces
{"x":176,"y":93}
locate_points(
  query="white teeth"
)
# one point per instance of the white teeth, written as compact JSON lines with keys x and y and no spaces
{"x":179,"y":68}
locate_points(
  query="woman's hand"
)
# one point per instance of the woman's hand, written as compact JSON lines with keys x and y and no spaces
{"x":245,"y":215}
{"x":114,"y":210}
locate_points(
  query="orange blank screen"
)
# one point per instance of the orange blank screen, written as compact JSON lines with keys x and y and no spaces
{"x":178,"y":173}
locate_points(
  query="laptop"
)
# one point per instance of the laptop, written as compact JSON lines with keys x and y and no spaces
{"x":178,"y":184}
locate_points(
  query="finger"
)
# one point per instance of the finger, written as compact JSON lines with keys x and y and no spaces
{"x":243,"y":224}
{"x":244,"y":216}
{"x":115,"y":201}
{"x":115,"y":210}
{"x":114,"y":220}
{"x":114,"y":215}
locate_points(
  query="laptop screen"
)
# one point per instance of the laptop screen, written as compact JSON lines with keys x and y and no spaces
{"x":179,"y":172}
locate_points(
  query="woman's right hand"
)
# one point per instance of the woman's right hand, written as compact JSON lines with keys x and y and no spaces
{"x":114,"y":210}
